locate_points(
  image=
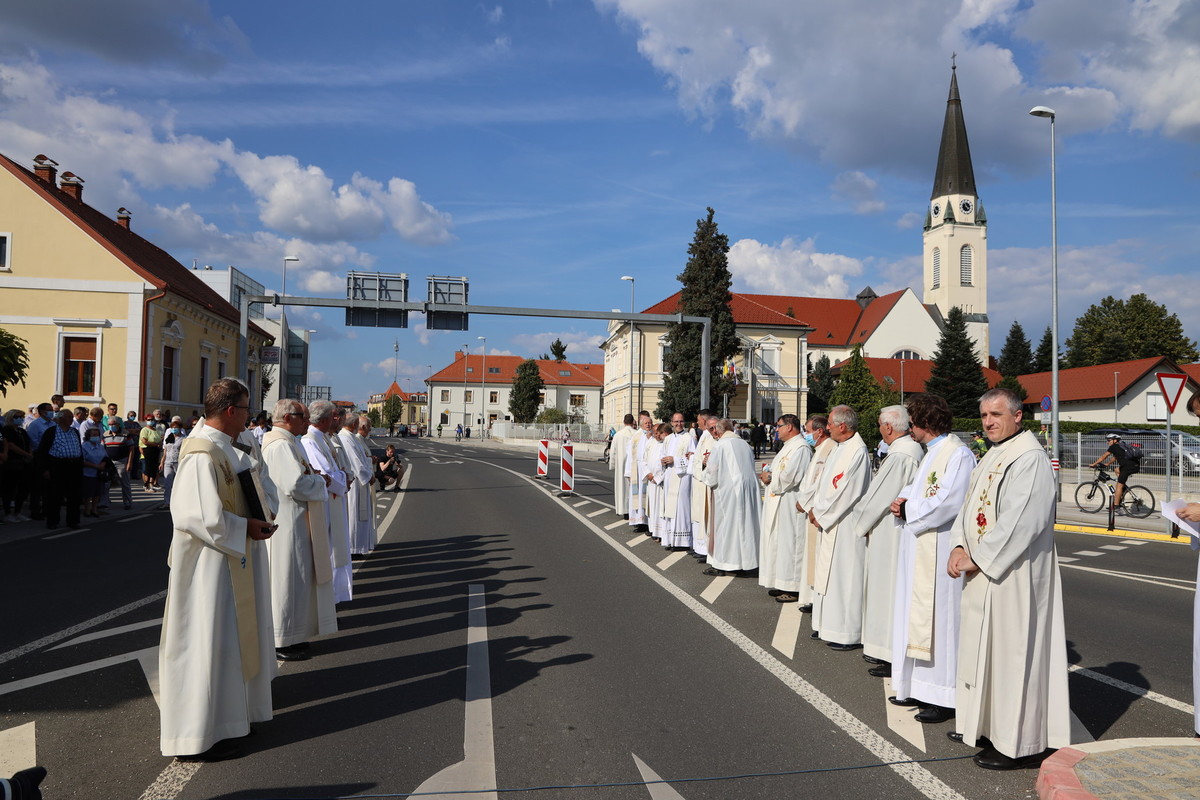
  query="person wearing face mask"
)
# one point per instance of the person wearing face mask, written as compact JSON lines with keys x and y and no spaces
{"x":170,"y":459}
{"x":150,"y":443}
{"x":121,"y":452}
{"x":94,"y":456}
{"x":43,"y":422}
{"x":14,"y":473}
{"x":60,"y":457}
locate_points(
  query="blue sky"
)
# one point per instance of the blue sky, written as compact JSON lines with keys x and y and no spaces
{"x":544,"y":149}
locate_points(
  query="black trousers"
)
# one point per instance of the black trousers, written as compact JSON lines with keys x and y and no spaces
{"x":65,"y":486}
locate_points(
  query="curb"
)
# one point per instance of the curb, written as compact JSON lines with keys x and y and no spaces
{"x":1124,"y":534}
{"x":1058,"y":780}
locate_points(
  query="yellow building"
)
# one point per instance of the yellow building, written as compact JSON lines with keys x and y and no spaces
{"x":108,"y":316}
{"x":412,"y":409}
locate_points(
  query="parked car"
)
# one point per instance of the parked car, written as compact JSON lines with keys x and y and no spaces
{"x":1154,"y":445}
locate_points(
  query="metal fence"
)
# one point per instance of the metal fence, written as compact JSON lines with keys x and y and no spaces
{"x":580,"y":432}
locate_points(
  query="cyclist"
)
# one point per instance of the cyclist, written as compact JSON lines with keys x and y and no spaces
{"x":1126,"y":466}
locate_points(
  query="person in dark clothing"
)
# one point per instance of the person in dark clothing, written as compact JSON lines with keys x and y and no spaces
{"x":61,"y":454}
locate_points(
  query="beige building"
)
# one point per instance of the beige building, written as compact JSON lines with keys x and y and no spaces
{"x":413,"y":408}
{"x":108,"y":316}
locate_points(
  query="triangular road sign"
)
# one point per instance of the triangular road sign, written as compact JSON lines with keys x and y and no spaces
{"x":1171,"y":384}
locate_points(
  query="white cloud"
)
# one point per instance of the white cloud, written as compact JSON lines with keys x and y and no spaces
{"x":495,"y":15}
{"x":582,"y":347}
{"x":793,"y":268}
{"x":859,"y":189}
{"x":908,"y":221}
{"x":321,"y":281}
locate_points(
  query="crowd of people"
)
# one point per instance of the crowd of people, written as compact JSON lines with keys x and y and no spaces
{"x":940,"y":567}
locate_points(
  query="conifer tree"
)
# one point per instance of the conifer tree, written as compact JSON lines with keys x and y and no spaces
{"x":1045,"y":352}
{"x":820,"y":386}
{"x":1011,"y":383}
{"x":558,"y":350}
{"x":706,"y":280}
{"x":527,"y":385}
{"x":858,"y":389}
{"x":1016,"y":357}
{"x":957,"y":375}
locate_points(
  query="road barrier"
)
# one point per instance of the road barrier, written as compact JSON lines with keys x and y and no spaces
{"x":543,"y":462}
{"x":567,"y":469}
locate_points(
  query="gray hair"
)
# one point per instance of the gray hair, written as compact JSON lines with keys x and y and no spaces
{"x":896,"y":416}
{"x":726,"y":424}
{"x":321,"y":410}
{"x":283,"y":407}
{"x":350,"y":420}
{"x":999,"y":393}
{"x":64,"y":413}
{"x":844,"y":415}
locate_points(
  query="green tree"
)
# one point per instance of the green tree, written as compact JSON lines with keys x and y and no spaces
{"x":373,"y":415}
{"x":1045,"y":352}
{"x":552,"y":416}
{"x":1016,"y":357}
{"x":858,"y":389}
{"x":820,"y":386}
{"x":266,"y":379}
{"x":14,"y":360}
{"x":1121,"y":330}
{"x":1012,"y":383}
{"x":393,"y":409}
{"x":558,"y":350}
{"x":706,"y":280}
{"x":527,"y":386}
{"x":957,"y":375}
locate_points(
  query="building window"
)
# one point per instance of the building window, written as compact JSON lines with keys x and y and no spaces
{"x":576,"y":400}
{"x":493,"y":370}
{"x":541,"y":398}
{"x":445,"y":395}
{"x":907,"y":355}
{"x":4,"y":240}
{"x":493,"y":397}
{"x":470,"y":369}
{"x":964,"y":265}
{"x":937,"y":267}
{"x":168,"y":373}
{"x":468,"y":396}
{"x":79,"y":366}
{"x":203,"y":377}
{"x":564,"y":373}
{"x":220,"y":370}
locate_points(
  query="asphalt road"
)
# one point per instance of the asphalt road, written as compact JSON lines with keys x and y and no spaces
{"x":605,"y":662}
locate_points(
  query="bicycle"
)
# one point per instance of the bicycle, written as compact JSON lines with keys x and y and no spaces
{"x":1096,"y":494}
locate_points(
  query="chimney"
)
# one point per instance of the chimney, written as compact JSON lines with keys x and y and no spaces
{"x":45,"y":168}
{"x":72,"y":185}
{"x":459,"y":354}
{"x":123,"y":216}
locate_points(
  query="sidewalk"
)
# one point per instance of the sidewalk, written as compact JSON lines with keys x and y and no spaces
{"x":1146,"y":769}
{"x":143,"y":503}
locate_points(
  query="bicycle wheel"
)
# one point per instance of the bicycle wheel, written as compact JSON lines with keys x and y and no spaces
{"x":1090,"y":497}
{"x":1138,"y":501}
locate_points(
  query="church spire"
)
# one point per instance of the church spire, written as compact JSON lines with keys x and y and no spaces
{"x":954,"y":174}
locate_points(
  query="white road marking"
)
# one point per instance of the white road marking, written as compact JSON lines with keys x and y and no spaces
{"x":615,"y":525}
{"x":68,"y":533}
{"x":67,"y":633}
{"x":715,"y":588}
{"x":1134,"y":541}
{"x":581,"y":503}
{"x":671,"y":560}
{"x":1128,"y":577}
{"x":658,"y":791}
{"x":104,"y":634}
{"x":787,"y":628}
{"x":636,"y":540}
{"x":1136,"y":690}
{"x":79,"y":669}
{"x":598,"y":513}
{"x":1079,"y":732}
{"x":1112,"y":547}
{"x":1087,"y":553}
{"x":1066,"y":559}
{"x":131,"y":519}
{"x":170,"y":781}
{"x":18,"y":749}
{"x":902,"y":719}
{"x":476,"y":773}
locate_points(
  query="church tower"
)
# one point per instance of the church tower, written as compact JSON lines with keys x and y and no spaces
{"x":955,"y":235}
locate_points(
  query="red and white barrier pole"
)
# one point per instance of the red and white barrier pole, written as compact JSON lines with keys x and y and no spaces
{"x":567,"y":483}
{"x":543,"y":461}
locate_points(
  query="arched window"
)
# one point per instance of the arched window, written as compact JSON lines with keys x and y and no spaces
{"x":908,"y":355}
{"x":937,"y":267}
{"x":964,"y":265}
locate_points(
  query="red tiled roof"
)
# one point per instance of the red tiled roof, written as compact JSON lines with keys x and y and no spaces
{"x":916,"y":373}
{"x":835,"y":322}
{"x":150,"y":262}
{"x":578,"y":374}
{"x":1095,"y":383}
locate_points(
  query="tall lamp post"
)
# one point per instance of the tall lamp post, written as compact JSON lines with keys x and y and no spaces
{"x":483,"y":389}
{"x":466,"y":421}
{"x":429,"y":400}
{"x":286,"y":259}
{"x":1048,"y":113}
{"x":632,"y":310}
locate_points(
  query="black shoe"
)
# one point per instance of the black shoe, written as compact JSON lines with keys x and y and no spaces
{"x":814,"y":635}
{"x":290,"y":654}
{"x":874,"y":660}
{"x":699,"y":557}
{"x":881,"y":671}
{"x":774,"y":592}
{"x":624,"y":516}
{"x":223,"y":750}
{"x":954,"y":736}
{"x":715,"y":571}
{"x":747,"y":573}
{"x":842,"y":648}
{"x":906,"y":703}
{"x":990,"y":758}
{"x":806,"y":608}
{"x":931,"y":715}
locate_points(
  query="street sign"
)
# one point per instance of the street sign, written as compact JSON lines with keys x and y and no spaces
{"x":1047,"y":402}
{"x":1044,"y":417}
{"x":1171,"y":384}
{"x":268,"y":355}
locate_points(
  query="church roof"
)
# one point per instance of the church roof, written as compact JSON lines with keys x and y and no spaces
{"x":917,"y":371}
{"x":954,"y":173}
{"x":1096,"y":383}
{"x":502,"y":369}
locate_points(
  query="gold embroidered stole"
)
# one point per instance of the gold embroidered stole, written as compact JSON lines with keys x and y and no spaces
{"x":678,"y":451}
{"x":314,"y":510}
{"x":985,"y":483}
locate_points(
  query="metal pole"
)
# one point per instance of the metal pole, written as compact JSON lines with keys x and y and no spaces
{"x":1054,"y":308}
{"x":483,"y":388}
{"x":466,"y":351}
{"x":429,"y":400}
{"x":244,"y":338}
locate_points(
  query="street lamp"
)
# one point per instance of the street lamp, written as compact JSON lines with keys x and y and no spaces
{"x":1048,"y":113}
{"x":429,"y":399}
{"x":466,"y":421}
{"x":286,"y":259}
{"x":632,"y":307}
{"x":482,"y":388}
{"x":395,"y":360}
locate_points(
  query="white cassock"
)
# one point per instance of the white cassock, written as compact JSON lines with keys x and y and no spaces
{"x":360,"y":511}
{"x":215,"y":665}
{"x":841,"y":555}
{"x":873,"y":520}
{"x":364,"y":444}
{"x":676,"y":528}
{"x":1012,"y":654}
{"x":618,"y":462}
{"x":805,"y":496}
{"x":1196,"y":648}
{"x":319,"y":449}
{"x":651,"y":464}
{"x":636,"y":478}
{"x":926,"y":609}
{"x":781,"y":551}
{"x":736,"y":502}
{"x":702,"y":495}
{"x":301,"y":575}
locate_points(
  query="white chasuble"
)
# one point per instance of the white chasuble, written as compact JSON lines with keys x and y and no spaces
{"x":1012,"y":655}
{"x":841,"y":556}
{"x":925,"y":619}
{"x":652,"y":465}
{"x":873,"y":520}
{"x":215,"y":664}
{"x":677,"y":491}
{"x":736,"y":504}
{"x":781,"y":551}
{"x":301,"y":575}
{"x":804,"y":498}
{"x":636,"y":477}
{"x":618,"y":462}
{"x":319,"y":450}
{"x":702,"y":495}
{"x":361,"y":514}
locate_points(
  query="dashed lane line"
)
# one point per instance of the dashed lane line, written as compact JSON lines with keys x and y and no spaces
{"x":636,"y":540}
{"x":598,"y":513}
{"x":68,"y":533}
{"x":902,"y":720}
{"x":715,"y":588}
{"x":1140,"y":691}
{"x":1113,"y":547}
{"x":581,"y":503}
{"x":1066,"y":559}
{"x":615,"y":525}
{"x":67,"y":633}
{"x":787,"y":629}
{"x":671,"y":560}
{"x":1092,"y":553}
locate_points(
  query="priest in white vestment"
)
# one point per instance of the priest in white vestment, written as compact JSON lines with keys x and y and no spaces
{"x":841,"y":555}
{"x":736,"y":502}
{"x":676,"y":530}
{"x":323,"y":418}
{"x":360,"y":476}
{"x":216,"y":654}
{"x":702,"y":493}
{"x":301,"y":575}
{"x":816,"y":434}
{"x":651,"y":466}
{"x":782,"y":526}
{"x":364,"y":444}
{"x":873,"y":520}
{"x":926,"y":610}
{"x":1012,"y":654}
{"x":618,"y":462}
{"x":635,"y":475}
{"x":1192,"y":513}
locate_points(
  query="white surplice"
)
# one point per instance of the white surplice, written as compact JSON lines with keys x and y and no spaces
{"x":204,"y":694}
{"x":651,"y":464}
{"x":319,"y":449}
{"x":636,"y":477}
{"x":736,"y":504}
{"x":805,"y":496}
{"x":781,"y":552}
{"x":676,"y":530}
{"x":618,"y":462}
{"x":841,"y":555}
{"x":360,"y":511}
{"x":1012,"y":655}
{"x":932,"y":502}
{"x":702,"y":495}
{"x":302,"y":608}
{"x":873,"y":520}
